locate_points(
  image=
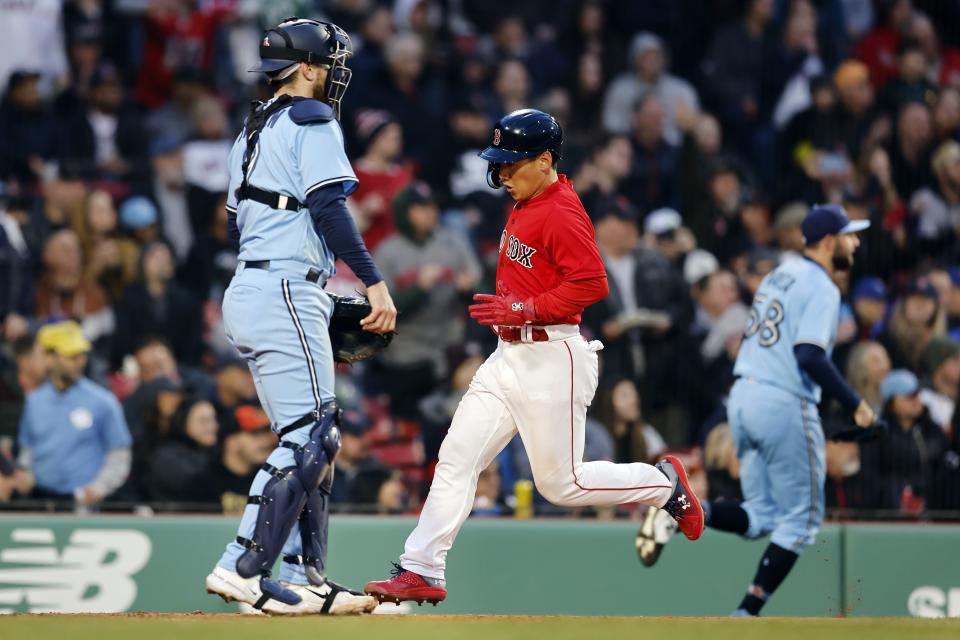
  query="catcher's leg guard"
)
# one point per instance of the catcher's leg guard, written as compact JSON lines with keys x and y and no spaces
{"x":286,"y":493}
{"x":307,"y":556}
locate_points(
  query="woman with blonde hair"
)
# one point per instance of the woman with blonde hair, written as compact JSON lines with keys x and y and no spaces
{"x":868,"y":365}
{"x":916,"y":318}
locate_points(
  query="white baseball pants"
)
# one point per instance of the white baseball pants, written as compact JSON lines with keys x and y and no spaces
{"x":542,"y":390}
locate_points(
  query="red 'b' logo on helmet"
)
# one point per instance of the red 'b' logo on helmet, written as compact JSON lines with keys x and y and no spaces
{"x":496,"y":137}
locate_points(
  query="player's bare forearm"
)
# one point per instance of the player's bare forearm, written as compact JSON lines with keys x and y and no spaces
{"x":383,"y":315}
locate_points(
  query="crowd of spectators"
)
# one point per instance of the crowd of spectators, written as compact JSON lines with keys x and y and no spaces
{"x":697,"y":135}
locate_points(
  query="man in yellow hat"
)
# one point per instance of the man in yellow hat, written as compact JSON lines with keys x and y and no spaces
{"x":73,"y":437}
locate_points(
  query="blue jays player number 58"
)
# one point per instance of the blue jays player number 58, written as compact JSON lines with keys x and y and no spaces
{"x":783,"y":364}
{"x":289,"y":178}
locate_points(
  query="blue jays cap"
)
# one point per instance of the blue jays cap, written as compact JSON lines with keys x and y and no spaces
{"x":899,"y":382}
{"x":829,"y":220}
{"x":871,"y":288}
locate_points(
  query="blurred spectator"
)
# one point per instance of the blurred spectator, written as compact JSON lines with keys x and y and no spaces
{"x":140,"y":218}
{"x":719,"y":324}
{"x":16,"y":269}
{"x":28,"y":136}
{"x":205,"y":163}
{"x":952,"y":304}
{"x":858,"y":118}
{"x":244,"y":447}
{"x":430,"y":270}
{"x":586,"y":98}
{"x":63,"y":292}
{"x":610,"y":320}
{"x":915,"y":319}
{"x":937,"y":206}
{"x":111,"y":259}
{"x":156,"y":305}
{"x":849,"y":485}
{"x":487,"y":501}
{"x":174,"y":122}
{"x":722,"y":464}
{"x":701,"y":150}
{"x":27,"y":372}
{"x":911,"y":457}
{"x":940,"y":364}
{"x":869,"y":298}
{"x":416,"y":99}
{"x":942,"y":64}
{"x":32,"y":37}
{"x":879,"y":48}
{"x":733,"y":69}
{"x":946,"y":115}
{"x":212,"y":259}
{"x":910,"y":84}
{"x":600,"y":178}
{"x":178,"y":34}
{"x":73,"y":438}
{"x":867,"y":367}
{"x":149,"y":413}
{"x":181,"y":460}
{"x":233,"y":386}
{"x":101,"y":137}
{"x":359,"y":475}
{"x":652,"y":179}
{"x":910,"y":151}
{"x":618,"y":410}
{"x":376,"y":29}
{"x":794,"y":61}
{"x":382,"y":174}
{"x":648,"y":77}
{"x":787,"y":228}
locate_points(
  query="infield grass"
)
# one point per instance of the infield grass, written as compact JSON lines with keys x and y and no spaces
{"x":239,"y":627}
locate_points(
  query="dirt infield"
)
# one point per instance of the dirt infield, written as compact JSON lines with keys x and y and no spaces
{"x":187,"y":626}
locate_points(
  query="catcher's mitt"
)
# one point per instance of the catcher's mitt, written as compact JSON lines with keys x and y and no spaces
{"x":351,"y":343}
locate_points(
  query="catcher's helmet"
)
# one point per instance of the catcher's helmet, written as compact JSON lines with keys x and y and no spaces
{"x":521,"y":134}
{"x":297,"y":40}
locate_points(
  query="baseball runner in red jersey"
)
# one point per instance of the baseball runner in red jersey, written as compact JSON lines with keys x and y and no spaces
{"x":543,"y":374}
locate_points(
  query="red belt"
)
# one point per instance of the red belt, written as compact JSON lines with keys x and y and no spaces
{"x":514,"y":334}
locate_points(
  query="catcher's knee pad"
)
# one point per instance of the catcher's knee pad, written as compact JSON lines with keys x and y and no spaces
{"x":313,"y":525}
{"x":280,"y":504}
{"x":315,"y":457}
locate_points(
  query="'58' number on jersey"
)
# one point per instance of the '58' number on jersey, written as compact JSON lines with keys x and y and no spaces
{"x":765,"y":321}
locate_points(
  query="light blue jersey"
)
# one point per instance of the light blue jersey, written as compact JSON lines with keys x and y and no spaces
{"x":293,"y":160}
{"x":796,"y":303}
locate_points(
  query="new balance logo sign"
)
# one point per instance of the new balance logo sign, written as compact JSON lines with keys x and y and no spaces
{"x":92,"y":573}
{"x":684,"y":503}
{"x":516,"y":306}
{"x":519,"y":252}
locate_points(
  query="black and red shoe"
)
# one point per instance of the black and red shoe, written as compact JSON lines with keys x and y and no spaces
{"x":405,"y":586}
{"x":683,"y":505}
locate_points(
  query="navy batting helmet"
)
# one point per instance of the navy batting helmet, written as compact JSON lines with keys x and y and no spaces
{"x":521,"y":134}
{"x":297,"y":40}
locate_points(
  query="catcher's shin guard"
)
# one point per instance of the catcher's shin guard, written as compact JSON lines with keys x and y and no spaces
{"x":287,"y":492}
{"x":313,"y":525}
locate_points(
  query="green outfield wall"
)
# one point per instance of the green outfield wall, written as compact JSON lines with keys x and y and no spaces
{"x":107,"y":563}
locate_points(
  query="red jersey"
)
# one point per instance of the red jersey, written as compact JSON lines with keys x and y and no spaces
{"x":548,"y":242}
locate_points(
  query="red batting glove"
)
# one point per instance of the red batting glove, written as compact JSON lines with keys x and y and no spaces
{"x":503,"y":311}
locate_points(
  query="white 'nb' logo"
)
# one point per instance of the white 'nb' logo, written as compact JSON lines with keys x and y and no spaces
{"x":101,"y":561}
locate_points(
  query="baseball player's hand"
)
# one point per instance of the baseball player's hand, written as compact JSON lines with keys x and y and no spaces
{"x":864,"y":416}
{"x":503,"y":311}
{"x":383,"y":316}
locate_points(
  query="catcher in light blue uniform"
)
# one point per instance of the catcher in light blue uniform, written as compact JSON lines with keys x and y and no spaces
{"x":783,"y":363}
{"x":289,"y":177}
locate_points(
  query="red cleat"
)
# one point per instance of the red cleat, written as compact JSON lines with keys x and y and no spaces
{"x":683,"y":505}
{"x":405,"y":586}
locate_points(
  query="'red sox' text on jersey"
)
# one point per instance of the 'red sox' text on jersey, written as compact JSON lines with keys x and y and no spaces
{"x":548,"y":240}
